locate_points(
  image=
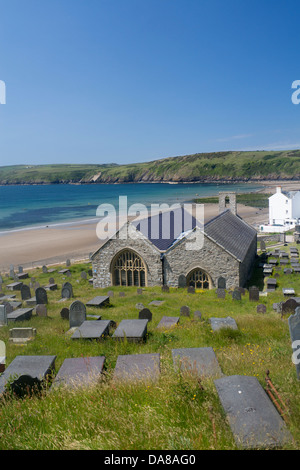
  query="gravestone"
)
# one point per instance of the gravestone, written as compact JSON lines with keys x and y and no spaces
{"x":41,"y":296}
{"x":110,"y":293}
{"x":185,"y":311}
{"x":77,"y":313}
{"x":21,"y":314}
{"x":3,"y":315}
{"x":182,"y":281}
{"x":289,"y":306}
{"x":139,"y":306}
{"x":2,"y":356}
{"x":41,"y":310}
{"x":99,"y":301}
{"x":156,"y":303}
{"x":288,"y":271}
{"x":67,"y":291}
{"x":27,"y":372}
{"x":218,"y":323}
{"x":261,"y":308}
{"x":68,"y":263}
{"x":14,"y":286}
{"x":288,"y":291}
{"x":25,"y":292}
{"x":221,"y":283}
{"x":197,"y":314}
{"x":201,"y":361}
{"x":271,"y":284}
{"x":64,"y":313}
{"x":79,"y":371}
{"x":83,"y":275}
{"x":51,"y":281}
{"x":145,"y":314}
{"x":9,"y":306}
{"x":236,"y":295}
{"x":92,"y":330}
{"x":262,"y":245}
{"x":22,"y":335}
{"x":165,"y":288}
{"x":221,"y":293}
{"x":132,"y":330}
{"x":253,"y":419}
{"x":191,"y":290}
{"x":254,"y":294}
{"x":139,"y":291}
{"x":44,"y":269}
{"x":294,"y":328}
{"x":137,"y":367}
{"x":168,"y":322}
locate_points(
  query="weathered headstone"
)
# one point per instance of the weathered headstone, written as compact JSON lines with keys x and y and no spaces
{"x":218,"y":323}
{"x":294,"y":328}
{"x":68,"y":263}
{"x":21,"y":314}
{"x":191,"y":290}
{"x":41,"y":310}
{"x":142,"y":367}
{"x":236,"y":295}
{"x":99,"y":301}
{"x":221,"y":283}
{"x":254,"y":420}
{"x":182,"y":281}
{"x":289,"y":306}
{"x":197,"y":314}
{"x":51,"y":280}
{"x":165,"y":288}
{"x":64,"y":313}
{"x":262,"y":245}
{"x":271,"y":284}
{"x":156,"y":303}
{"x":44,"y":269}
{"x":14,"y":286}
{"x":77,"y":313}
{"x":254,"y":294}
{"x":110,"y":293}
{"x":168,"y":322}
{"x":139,"y":291}
{"x":261,"y":308}
{"x":201,"y":361}
{"x":67,"y":291}
{"x":145,"y":314}
{"x":185,"y":311}
{"x":25,"y":292}
{"x":79,"y":371}
{"x":132,"y":330}
{"x":2,"y":356}
{"x":83,"y":275}
{"x":221,"y":293}
{"x":3,"y":315}
{"x":92,"y":329}
{"x":41,"y":296}
{"x":22,"y":335}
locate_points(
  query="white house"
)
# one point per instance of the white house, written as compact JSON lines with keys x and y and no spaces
{"x":284,"y":211}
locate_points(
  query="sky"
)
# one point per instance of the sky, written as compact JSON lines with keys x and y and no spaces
{"x":125,"y":81}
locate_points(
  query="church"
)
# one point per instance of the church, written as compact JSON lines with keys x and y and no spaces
{"x":225,"y":246}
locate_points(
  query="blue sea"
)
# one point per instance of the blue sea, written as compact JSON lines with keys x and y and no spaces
{"x":41,"y":205}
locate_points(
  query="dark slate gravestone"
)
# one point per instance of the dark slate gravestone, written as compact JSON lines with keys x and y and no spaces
{"x":289,"y":306}
{"x":3,"y":315}
{"x":51,"y":280}
{"x":41,"y":310}
{"x":262,"y":245}
{"x":191,"y":290}
{"x":288,"y":271}
{"x":21,"y":314}
{"x":14,"y":286}
{"x":41,"y":296}
{"x":168,"y":322}
{"x":44,"y":269}
{"x":185,"y":311}
{"x":201,"y":361}
{"x":63,"y":271}
{"x":83,"y":275}
{"x":236,"y":295}
{"x":294,"y":327}
{"x":139,"y":291}
{"x":22,"y":276}
{"x":79,"y":371}
{"x":132,"y":330}
{"x":92,"y":329}
{"x":9,"y":306}
{"x":137,"y":367}
{"x":271,"y":284}
{"x":254,"y":294}
{"x":221,"y":293}
{"x":253,"y":419}
{"x":182,"y":281}
{"x":261,"y":308}
{"x":25,"y":292}
{"x":26,"y":372}
{"x":67,"y":291}
{"x":64,"y":313}
{"x":99,"y":301}
{"x":145,"y":314}
{"x":218,"y":323}
{"x":68,"y":262}
{"x":165,"y":288}
{"x":221,"y":283}
{"x":77,"y":313}
{"x":197,"y":314}
{"x":110,"y":293}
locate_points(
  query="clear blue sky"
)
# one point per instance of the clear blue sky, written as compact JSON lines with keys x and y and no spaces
{"x":102,"y":81}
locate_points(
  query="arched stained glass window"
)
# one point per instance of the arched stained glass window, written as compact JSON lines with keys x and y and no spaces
{"x":128,"y":269}
{"x":198,"y":279}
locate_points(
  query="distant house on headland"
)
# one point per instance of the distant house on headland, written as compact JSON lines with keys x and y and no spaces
{"x":284,"y":211}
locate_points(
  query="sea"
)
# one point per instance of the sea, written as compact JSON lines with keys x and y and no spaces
{"x":31,"y":206}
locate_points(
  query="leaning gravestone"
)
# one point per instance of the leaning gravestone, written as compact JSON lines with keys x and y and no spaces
{"x":201,"y":361}
{"x":79,"y":371}
{"x":182,"y":281}
{"x":294,"y":327}
{"x":261,"y":308}
{"x":92,"y":329}
{"x":145,"y":314}
{"x":41,"y":296}
{"x":168,"y":322}
{"x":254,"y":294}
{"x":25,"y":292}
{"x":132,"y":330}
{"x":137,"y":367}
{"x":221,"y":283}
{"x":77,"y":313}
{"x":253,"y":419}
{"x":27,"y":372}
{"x":3,"y":315}
{"x":289,"y":306}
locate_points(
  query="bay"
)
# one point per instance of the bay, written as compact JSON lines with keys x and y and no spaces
{"x":41,"y":205}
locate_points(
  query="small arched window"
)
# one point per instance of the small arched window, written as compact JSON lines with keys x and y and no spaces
{"x":198,"y":279}
{"x":128,"y":269}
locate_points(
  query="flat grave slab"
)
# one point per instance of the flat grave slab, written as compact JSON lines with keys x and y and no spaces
{"x":201,"y":361}
{"x":168,"y":322}
{"x":22,"y":275}
{"x":26,"y":371}
{"x":64,"y":271}
{"x":14,"y":286}
{"x":99,"y":301}
{"x":218,"y":323}
{"x":253,"y":419}
{"x":137,"y":367}
{"x":92,"y":329}
{"x":8,"y":297}
{"x":21,"y":314}
{"x":288,"y":291}
{"x":156,"y":303}
{"x":133,"y":330}
{"x":79,"y":371}
{"x":31,"y":301}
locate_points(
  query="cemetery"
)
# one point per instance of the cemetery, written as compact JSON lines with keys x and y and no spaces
{"x":192,"y":367}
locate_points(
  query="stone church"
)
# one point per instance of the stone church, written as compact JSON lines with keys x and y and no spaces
{"x":228,"y":249}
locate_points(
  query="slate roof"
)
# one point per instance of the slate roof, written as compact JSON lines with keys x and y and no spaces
{"x":227,"y":230}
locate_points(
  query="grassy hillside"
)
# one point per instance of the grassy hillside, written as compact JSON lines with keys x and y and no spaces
{"x":203,"y":167}
{"x":180,"y":411}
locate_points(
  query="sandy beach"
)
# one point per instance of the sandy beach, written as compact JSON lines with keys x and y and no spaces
{"x":52,"y":245}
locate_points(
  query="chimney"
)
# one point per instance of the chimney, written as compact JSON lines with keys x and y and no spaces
{"x":278,"y":189}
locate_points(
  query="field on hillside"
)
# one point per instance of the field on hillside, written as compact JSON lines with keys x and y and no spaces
{"x":180,"y":411}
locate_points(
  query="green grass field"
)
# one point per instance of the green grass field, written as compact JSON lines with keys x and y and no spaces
{"x":179,"y":412}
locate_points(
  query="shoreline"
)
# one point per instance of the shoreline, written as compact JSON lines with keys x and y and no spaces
{"x":53,"y":244}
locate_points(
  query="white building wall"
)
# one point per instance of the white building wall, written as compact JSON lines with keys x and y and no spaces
{"x":280,"y":208}
{"x":296,"y":206}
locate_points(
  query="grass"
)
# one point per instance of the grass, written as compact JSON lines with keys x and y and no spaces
{"x":258,"y":200}
{"x":180,"y":411}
